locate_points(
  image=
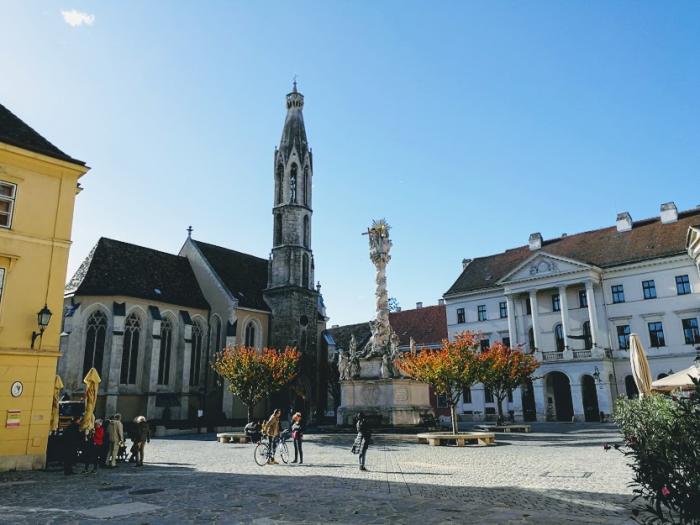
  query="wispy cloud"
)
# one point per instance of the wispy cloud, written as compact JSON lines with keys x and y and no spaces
{"x":76,"y":18}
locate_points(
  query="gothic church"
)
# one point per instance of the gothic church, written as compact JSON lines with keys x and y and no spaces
{"x":150,"y":321}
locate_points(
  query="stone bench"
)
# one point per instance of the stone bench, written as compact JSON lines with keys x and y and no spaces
{"x":232,"y":437}
{"x":438,"y":438}
{"x":504,"y":428}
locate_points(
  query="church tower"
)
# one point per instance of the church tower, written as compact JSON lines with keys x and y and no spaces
{"x":290,"y":292}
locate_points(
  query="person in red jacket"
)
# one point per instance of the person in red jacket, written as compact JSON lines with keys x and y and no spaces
{"x":98,"y":448}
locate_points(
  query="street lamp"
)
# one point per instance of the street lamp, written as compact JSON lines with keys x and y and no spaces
{"x":42,"y":317}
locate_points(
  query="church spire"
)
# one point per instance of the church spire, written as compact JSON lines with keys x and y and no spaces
{"x":294,"y":131}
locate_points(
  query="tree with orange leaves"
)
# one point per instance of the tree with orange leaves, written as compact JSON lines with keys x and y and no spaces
{"x":254,"y":374}
{"x":448,"y":370}
{"x":503,"y":369}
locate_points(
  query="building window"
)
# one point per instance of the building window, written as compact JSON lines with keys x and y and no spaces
{"x":484,"y":344}
{"x":556,"y":305}
{"x":196,"y":354}
{"x":506,"y":341}
{"x":582,"y":299}
{"x":559,"y":337}
{"x":510,"y":395}
{"x":307,"y":231}
{"x":503,"y":309}
{"x":531,"y":338}
{"x":278,"y":229}
{"x":690,"y":331}
{"x":649,"y":289}
{"x":656,"y":334}
{"x":166,"y":346}
{"x":623,"y":336}
{"x":631,"y":388}
{"x":8,"y":192}
{"x":130,"y":353}
{"x":467,"y":395}
{"x":95,"y":337}
{"x":488,"y":395}
{"x":618,"y":293}
{"x":460,"y":316}
{"x":587,"y":339}
{"x":442,"y":401}
{"x":250,"y":334}
{"x":481,"y":312}
{"x":682,"y":284}
{"x":307,"y":186}
{"x":278,"y":183}
{"x":305,"y":270}
{"x":528,"y":307}
{"x":216,"y":333}
{"x":293,"y":185}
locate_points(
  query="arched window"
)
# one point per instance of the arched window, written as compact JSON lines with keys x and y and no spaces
{"x":293,"y":184}
{"x":95,"y":336}
{"x":631,"y":388}
{"x":196,"y":355}
{"x":279,"y":176}
{"x":217,"y":343}
{"x":250,"y":334}
{"x":130,"y":352}
{"x":166,"y":345}
{"x":278,"y":229}
{"x":306,"y":231}
{"x":559,"y":337}
{"x":588,"y":341}
{"x":307,"y":187}
{"x":305,"y":270}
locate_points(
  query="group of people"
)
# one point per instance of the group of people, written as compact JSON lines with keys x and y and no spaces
{"x":103,"y":444}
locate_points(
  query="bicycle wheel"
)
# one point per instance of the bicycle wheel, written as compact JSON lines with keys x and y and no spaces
{"x":261,"y":454}
{"x":284,"y":452}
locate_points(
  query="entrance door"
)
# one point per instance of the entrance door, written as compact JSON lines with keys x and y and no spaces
{"x":590,"y":398}
{"x":528,"y":397}
{"x":560,"y":388}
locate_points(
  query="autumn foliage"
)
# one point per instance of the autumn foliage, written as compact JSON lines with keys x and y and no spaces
{"x":254,"y":374}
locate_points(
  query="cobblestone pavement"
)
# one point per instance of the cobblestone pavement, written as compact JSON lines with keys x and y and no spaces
{"x":559,"y":474}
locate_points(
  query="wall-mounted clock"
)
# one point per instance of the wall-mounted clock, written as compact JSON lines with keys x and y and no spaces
{"x":16,"y":389}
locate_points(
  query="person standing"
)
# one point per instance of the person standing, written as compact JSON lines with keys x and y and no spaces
{"x":297,"y":436}
{"x":71,"y":442}
{"x":98,"y":441}
{"x":142,"y":435}
{"x":272,"y":428}
{"x":116,"y":437}
{"x":364,"y":436}
{"x":89,"y":450}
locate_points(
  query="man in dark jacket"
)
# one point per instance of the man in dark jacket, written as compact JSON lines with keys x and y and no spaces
{"x":71,"y":443}
{"x":364,"y":436}
{"x":142,"y":435}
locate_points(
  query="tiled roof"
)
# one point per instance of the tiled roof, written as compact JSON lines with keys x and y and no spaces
{"x":119,"y":268}
{"x":427,"y":325}
{"x":341,"y":335}
{"x":244,"y":275}
{"x":605,"y":248}
{"x":15,"y":132}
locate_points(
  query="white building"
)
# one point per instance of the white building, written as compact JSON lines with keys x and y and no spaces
{"x":574,"y":300}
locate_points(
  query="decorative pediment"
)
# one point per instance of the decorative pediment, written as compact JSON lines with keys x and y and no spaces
{"x":542,"y":265}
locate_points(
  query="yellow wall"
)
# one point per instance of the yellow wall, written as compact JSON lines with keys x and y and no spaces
{"x":42,"y":222}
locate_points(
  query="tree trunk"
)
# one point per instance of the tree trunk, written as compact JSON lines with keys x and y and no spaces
{"x":250,"y":406}
{"x":453,"y":415}
{"x":499,"y":405}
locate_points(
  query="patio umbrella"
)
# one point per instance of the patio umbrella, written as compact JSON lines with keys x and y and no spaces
{"x":92,"y":383}
{"x":640,"y":366}
{"x":678,"y":381}
{"x":57,"y":387}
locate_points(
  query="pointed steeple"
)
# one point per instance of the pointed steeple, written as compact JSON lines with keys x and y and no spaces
{"x":294,"y":131}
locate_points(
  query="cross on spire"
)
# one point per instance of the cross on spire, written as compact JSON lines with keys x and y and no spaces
{"x":189,"y":232}
{"x":294,"y":83}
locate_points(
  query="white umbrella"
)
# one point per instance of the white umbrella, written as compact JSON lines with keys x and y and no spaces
{"x":678,"y":381}
{"x":640,"y":366}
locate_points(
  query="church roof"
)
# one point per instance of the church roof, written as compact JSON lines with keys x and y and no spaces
{"x":605,"y":248}
{"x":119,"y":268}
{"x":342,"y":334}
{"x":15,"y":132}
{"x":244,"y":275}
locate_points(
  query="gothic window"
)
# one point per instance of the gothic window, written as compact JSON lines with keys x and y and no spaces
{"x":293,"y":185}
{"x":95,"y":336}
{"x":307,"y":186}
{"x":306,"y":231}
{"x":588,"y":341}
{"x":559,"y":337}
{"x":217,"y":342}
{"x":250,"y":334}
{"x":130,"y":353}
{"x":278,"y":229}
{"x":196,"y":355}
{"x":305,"y":271}
{"x":278,"y":184}
{"x":166,"y":346}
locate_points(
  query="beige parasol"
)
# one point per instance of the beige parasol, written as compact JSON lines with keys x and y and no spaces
{"x":640,"y":366}
{"x":55,"y":416}
{"x":92,"y":383}
{"x":678,"y":381}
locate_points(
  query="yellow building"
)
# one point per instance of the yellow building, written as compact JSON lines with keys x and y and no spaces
{"x":38,"y":185}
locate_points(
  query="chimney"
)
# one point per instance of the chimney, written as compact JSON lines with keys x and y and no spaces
{"x":669,"y":212}
{"x":441,"y":302}
{"x":465,"y":263}
{"x":624,"y":221}
{"x":535,"y":241}
{"x":419,"y":305}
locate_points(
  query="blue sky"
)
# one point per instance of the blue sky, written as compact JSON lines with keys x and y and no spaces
{"x":467,"y":125}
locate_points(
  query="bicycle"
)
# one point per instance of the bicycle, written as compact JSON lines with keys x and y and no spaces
{"x":263,"y":454}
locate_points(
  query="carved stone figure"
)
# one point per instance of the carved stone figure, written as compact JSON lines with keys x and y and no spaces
{"x":354,"y":357}
{"x":343,"y":366}
{"x":412,"y":346}
{"x":387,"y":368}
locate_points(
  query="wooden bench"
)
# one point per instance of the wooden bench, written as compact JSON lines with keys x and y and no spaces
{"x":232,"y":437}
{"x":504,"y":428}
{"x":436,"y":439}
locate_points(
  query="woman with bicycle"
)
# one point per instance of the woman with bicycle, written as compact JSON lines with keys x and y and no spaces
{"x":297,"y":435}
{"x":272,"y":428}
